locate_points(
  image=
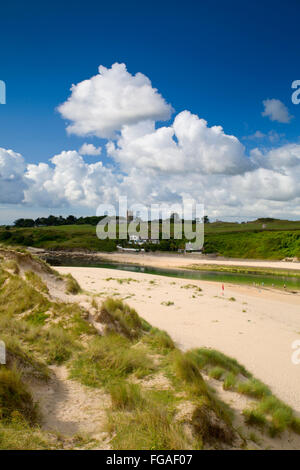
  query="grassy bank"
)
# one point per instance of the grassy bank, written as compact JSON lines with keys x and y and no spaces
{"x":245,"y":270}
{"x":278,"y":241}
{"x":65,"y":237}
{"x":255,"y":245}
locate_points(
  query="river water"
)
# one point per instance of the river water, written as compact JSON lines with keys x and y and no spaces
{"x":268,"y":280}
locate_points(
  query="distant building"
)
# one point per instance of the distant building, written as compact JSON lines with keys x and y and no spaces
{"x":140,"y":241}
{"x":134,"y":238}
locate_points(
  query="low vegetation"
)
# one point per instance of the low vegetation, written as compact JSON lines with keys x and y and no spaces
{"x":72,"y":286}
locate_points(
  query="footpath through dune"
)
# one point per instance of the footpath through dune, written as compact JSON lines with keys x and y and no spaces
{"x":71,"y":409}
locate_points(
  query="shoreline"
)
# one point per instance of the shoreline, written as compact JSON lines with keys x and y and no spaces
{"x":172,"y":260}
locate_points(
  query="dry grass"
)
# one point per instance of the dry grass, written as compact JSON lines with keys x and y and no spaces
{"x":72,"y":286}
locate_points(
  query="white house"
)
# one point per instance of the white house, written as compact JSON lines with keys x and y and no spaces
{"x":134,"y":238}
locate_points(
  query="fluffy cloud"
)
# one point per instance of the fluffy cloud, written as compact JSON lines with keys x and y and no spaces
{"x":187,"y":146}
{"x":111,"y":99}
{"x":69,"y":182}
{"x":89,"y":149}
{"x":12,"y":184}
{"x":276,"y":111}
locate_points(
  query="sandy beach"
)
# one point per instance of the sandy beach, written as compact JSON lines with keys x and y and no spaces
{"x":255,"y":326}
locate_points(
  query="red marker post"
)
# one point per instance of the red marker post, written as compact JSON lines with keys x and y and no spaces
{"x":223,"y":288}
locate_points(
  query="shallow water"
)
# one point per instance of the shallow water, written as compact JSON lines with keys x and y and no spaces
{"x":278,"y":281}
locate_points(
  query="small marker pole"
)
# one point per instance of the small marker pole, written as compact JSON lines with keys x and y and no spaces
{"x":223,"y":288}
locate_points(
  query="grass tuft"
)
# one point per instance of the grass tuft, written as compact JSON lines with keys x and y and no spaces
{"x":72,"y":286}
{"x":15,"y":399}
{"x":217,"y":373}
{"x":126,"y":396}
{"x":159,"y":340}
{"x":36,"y":281}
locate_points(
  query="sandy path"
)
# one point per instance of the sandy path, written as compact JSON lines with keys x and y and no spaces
{"x":258,"y":328}
{"x":70,"y":408}
{"x":181,"y":261}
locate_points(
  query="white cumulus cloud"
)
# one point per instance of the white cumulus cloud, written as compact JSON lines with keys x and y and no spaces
{"x":101,"y":105}
{"x":70,"y":181}
{"x":89,"y":149}
{"x":12,"y":184}
{"x":187,"y":146}
{"x":276,"y":111}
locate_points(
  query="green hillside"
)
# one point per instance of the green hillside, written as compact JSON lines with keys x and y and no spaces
{"x":261,"y":239}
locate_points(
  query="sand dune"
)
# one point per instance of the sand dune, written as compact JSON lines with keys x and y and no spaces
{"x":257,"y":328}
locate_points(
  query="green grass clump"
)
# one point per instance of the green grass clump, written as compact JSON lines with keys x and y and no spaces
{"x":192,"y":286}
{"x":15,"y":398}
{"x":122,"y":280}
{"x":295,"y":425}
{"x":210,"y":427}
{"x":109,"y":359}
{"x":126,"y":396}
{"x":37,"y":318}
{"x":279,"y":414}
{"x":254,"y":417}
{"x":230,"y":381}
{"x":72,"y":286}
{"x":17,"y":296}
{"x":217,"y":372}
{"x":150,"y":427}
{"x":253,"y":388}
{"x":36,"y":281}
{"x":17,"y":434}
{"x":187,"y":370}
{"x":207,"y":358}
{"x":57,"y":345}
{"x":118,"y":316}
{"x":79,"y":326}
{"x":11,"y":265}
{"x":159,"y":340}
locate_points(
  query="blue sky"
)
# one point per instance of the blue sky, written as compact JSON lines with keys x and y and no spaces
{"x":219,"y":60}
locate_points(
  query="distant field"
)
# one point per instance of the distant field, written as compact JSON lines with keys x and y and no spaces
{"x":257,"y":240}
{"x":255,"y":245}
{"x":222,"y":227}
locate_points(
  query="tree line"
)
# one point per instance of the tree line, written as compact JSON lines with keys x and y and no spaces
{"x":53,"y":220}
